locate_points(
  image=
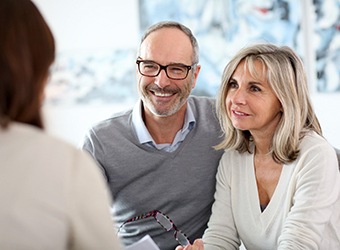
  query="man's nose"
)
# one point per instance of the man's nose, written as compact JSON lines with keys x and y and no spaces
{"x":162,"y":80}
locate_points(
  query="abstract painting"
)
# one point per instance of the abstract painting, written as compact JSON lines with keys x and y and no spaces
{"x":222,"y":27}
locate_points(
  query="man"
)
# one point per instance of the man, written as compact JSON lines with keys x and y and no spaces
{"x":159,"y":158}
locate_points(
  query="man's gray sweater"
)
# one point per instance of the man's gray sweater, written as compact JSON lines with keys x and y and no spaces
{"x":180,"y":184}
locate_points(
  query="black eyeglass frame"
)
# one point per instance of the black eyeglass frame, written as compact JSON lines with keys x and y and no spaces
{"x":165,"y":67}
{"x":154,"y":214}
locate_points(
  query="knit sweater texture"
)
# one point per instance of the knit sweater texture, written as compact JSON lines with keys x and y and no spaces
{"x":303,"y":213}
{"x":180,"y":184}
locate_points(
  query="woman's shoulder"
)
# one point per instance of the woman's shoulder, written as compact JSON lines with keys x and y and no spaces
{"x":233,"y":160}
{"x":37,"y":145}
{"x":315,"y":149}
{"x":315,"y":142}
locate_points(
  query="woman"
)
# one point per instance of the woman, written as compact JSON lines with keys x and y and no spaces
{"x":52,"y":195}
{"x":278,"y":183}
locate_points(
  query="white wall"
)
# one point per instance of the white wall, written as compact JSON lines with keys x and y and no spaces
{"x":88,"y":24}
{"x":327,"y":109}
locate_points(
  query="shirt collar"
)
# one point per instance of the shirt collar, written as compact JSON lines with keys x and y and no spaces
{"x":141,"y":130}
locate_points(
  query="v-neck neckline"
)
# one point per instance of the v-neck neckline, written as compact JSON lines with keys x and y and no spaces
{"x":268,"y":214}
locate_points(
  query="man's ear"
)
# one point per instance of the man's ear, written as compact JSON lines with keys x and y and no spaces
{"x":196,"y":73}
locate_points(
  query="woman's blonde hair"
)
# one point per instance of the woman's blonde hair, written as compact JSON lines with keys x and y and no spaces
{"x":286,"y":76}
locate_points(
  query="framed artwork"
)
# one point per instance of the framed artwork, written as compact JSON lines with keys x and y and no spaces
{"x":92,"y":77}
{"x":222,"y":27}
{"x":326,"y":43}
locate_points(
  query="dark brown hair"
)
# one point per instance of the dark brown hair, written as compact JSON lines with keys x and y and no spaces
{"x":27,"y":50}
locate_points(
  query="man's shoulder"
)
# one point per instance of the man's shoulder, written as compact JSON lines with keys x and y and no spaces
{"x":117,"y":119}
{"x":202,"y":105}
{"x":201,"y":100}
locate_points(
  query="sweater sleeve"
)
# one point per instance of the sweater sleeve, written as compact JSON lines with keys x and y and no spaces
{"x":91,"y":144}
{"x":315,"y":193}
{"x":221,"y":232}
{"x":91,"y":224}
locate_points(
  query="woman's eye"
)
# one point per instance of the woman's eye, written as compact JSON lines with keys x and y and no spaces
{"x":255,"y":89}
{"x":232,"y":85}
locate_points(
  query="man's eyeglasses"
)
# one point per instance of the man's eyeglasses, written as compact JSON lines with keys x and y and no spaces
{"x":175,"y":71}
{"x":165,"y":222}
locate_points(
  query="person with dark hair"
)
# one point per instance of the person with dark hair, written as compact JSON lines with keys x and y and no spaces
{"x":158,"y":158}
{"x":52,"y":194}
{"x":278,"y":183}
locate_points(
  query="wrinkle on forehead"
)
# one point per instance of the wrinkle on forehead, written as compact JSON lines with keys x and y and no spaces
{"x":167,"y":45}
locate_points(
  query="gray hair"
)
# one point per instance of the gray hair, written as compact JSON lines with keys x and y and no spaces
{"x":286,"y":76}
{"x":175,"y":25}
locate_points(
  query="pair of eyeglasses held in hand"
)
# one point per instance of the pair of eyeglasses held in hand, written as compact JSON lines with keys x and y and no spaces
{"x":165,"y":222}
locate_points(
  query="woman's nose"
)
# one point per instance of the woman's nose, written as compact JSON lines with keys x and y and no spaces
{"x":238,"y":96}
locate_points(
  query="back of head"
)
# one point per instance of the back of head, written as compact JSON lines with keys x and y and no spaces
{"x":27,"y":50}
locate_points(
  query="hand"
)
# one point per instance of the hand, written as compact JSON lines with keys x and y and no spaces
{"x":198,"y":245}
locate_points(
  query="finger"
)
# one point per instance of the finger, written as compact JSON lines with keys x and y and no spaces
{"x":198,"y":244}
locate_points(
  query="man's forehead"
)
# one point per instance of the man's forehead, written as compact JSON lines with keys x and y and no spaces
{"x":169,"y":43}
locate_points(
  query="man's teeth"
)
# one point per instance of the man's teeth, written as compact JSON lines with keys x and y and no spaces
{"x":162,"y":94}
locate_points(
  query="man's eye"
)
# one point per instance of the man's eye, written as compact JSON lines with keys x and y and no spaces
{"x":177,"y":69}
{"x":149,"y":66}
